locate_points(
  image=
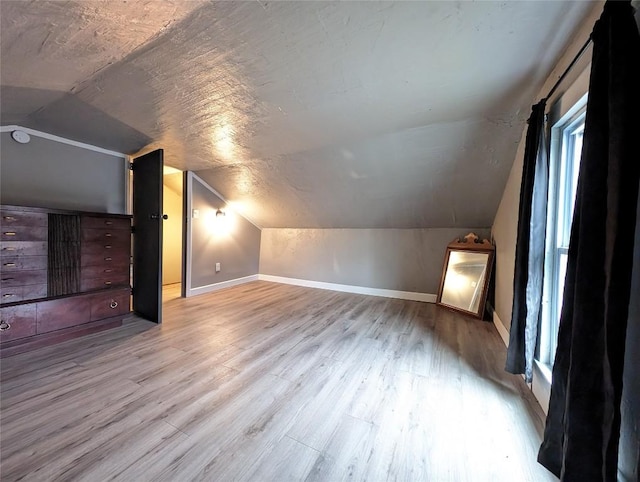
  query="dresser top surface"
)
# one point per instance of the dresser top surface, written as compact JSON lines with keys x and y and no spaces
{"x":32,"y":209}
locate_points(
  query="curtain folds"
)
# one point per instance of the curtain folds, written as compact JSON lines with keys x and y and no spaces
{"x":583,"y":424}
{"x":529,"y":260}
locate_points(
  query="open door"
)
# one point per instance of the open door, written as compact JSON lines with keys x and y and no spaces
{"x":147,"y":236}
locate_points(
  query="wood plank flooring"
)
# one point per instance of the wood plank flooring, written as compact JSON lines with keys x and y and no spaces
{"x":269,"y":382}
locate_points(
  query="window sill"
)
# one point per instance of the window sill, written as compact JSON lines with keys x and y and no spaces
{"x":541,"y":385}
{"x":545,"y":370}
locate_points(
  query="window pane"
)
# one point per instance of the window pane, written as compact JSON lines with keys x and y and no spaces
{"x":561,"y":273}
{"x":566,"y":142}
{"x":576,"y":153}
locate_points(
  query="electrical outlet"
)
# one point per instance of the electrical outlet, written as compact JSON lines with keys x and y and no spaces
{"x":196,"y":214}
{"x":217,"y":267}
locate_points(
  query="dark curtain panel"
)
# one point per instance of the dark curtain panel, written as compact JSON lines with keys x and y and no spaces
{"x":583,"y":425}
{"x":529,"y":261}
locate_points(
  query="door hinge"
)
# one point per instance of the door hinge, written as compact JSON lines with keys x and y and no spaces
{"x":133,"y":229}
{"x":131,"y":166}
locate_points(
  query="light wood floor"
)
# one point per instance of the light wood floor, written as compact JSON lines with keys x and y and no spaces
{"x":267,"y":382}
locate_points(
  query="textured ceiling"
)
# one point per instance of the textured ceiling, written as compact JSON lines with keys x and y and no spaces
{"x":303,"y":114}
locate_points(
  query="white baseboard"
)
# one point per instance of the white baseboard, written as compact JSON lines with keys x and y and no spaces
{"x":361,"y":290}
{"x":502,"y":330}
{"x":223,"y":284}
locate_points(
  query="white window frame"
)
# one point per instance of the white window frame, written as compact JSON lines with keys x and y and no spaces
{"x":563,"y":171}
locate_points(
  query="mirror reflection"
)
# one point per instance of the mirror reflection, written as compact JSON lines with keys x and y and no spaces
{"x":464,"y":281}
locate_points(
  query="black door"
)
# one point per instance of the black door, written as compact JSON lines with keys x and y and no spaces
{"x":147,"y":236}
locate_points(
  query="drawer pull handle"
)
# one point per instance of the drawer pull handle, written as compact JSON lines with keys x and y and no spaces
{"x":107,"y":271}
{"x":107,"y":235}
{"x":9,"y":248}
{"x":9,"y":233}
{"x":9,"y":218}
{"x":108,"y":223}
{"x":107,"y":282}
{"x":4,"y":326}
{"x":8,"y":295}
{"x":10,"y":265}
{"x":113,"y":305}
{"x":107,"y":259}
{"x":107,"y":246}
{"x":8,"y":279}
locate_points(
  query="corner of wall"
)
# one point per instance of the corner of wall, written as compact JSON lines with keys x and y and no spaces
{"x":217,"y":256}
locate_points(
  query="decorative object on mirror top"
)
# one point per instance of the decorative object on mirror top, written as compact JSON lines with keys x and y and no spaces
{"x":466,"y":274}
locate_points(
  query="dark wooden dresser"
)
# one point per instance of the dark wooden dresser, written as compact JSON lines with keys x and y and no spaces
{"x":63,"y":274}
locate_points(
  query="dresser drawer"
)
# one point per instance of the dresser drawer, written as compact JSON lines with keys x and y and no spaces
{"x":22,"y":218}
{"x":103,"y":271}
{"x":23,"y":233}
{"x":20,"y":278}
{"x":106,"y":248}
{"x":117,"y":280}
{"x":57,"y":314}
{"x":10,"y":294}
{"x":33,"y":292}
{"x":21,"y":293}
{"x":113,"y":303}
{"x":90,"y":222}
{"x":22,"y":248}
{"x":109,"y":236}
{"x":17,"y":263}
{"x":106,"y":259}
{"x":17,"y":322}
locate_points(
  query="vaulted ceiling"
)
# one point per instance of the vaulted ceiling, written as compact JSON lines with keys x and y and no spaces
{"x":303,"y":114}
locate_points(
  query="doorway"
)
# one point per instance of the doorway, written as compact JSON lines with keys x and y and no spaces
{"x":172,"y":229}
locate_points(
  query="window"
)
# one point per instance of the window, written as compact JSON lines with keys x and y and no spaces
{"x":566,"y":149}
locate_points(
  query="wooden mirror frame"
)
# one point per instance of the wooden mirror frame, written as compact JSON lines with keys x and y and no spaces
{"x":469,"y":243}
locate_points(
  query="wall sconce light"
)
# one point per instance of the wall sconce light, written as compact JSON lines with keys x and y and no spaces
{"x":219,"y":223}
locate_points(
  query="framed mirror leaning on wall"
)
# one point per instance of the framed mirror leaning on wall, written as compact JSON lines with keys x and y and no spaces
{"x":465,"y":275}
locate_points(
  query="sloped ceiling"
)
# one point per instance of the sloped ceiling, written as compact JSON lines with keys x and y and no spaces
{"x":302,"y":114}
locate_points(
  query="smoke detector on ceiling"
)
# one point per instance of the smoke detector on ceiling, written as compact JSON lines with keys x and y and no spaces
{"x":20,"y":136}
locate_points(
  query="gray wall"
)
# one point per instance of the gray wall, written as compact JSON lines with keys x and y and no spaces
{"x":237,"y":250}
{"x":47,"y":173}
{"x":394,"y":259}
